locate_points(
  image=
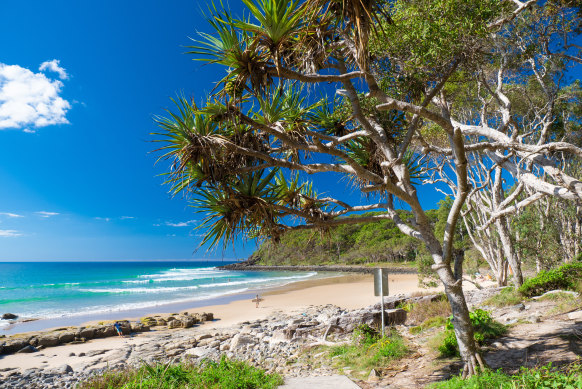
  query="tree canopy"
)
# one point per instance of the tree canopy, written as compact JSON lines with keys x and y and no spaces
{"x":389,"y":95}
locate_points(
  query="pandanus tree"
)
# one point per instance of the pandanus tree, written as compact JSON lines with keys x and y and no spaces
{"x":336,"y":86}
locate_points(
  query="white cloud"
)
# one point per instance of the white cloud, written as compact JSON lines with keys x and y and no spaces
{"x":55,"y":67}
{"x":9,"y":233}
{"x":46,"y":214}
{"x":10,"y":214}
{"x":29,"y":99}
{"x":127,"y":217}
{"x":181,"y":224}
{"x":105,"y":219}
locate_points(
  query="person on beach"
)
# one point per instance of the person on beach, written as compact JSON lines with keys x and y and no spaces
{"x":118,"y":329}
{"x":257,"y":300}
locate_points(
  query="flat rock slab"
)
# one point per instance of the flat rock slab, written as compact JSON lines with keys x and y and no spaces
{"x":327,"y":382}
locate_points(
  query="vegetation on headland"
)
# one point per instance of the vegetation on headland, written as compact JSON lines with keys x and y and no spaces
{"x":224,"y":374}
{"x":378,"y":242}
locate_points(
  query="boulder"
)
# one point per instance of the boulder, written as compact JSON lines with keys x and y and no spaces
{"x":148,"y":321}
{"x":87,"y":333}
{"x":187,"y":321}
{"x":350,"y":321}
{"x":207,"y":316}
{"x":139,"y":327}
{"x":64,"y":369}
{"x":394,"y":317}
{"x":174,"y":324}
{"x":13,"y":345}
{"x":48,"y":340}
{"x":66,"y":337}
{"x":240,"y":340}
{"x":105,"y":331}
{"x":161,"y":321}
{"x":9,"y":316}
{"x":27,"y":350}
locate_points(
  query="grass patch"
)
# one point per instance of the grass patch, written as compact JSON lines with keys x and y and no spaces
{"x":484,"y":326}
{"x":420,"y":312}
{"x":369,"y":350}
{"x":506,"y":297}
{"x":564,"y":277}
{"x":431,"y":322}
{"x":542,"y":377}
{"x":225,"y":374}
{"x":558,"y":297}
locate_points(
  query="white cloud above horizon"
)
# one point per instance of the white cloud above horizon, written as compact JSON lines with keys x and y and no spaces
{"x":46,"y":214}
{"x":9,"y":234}
{"x":55,"y":67}
{"x":10,"y":214}
{"x":29,"y":99}
{"x":181,"y":224}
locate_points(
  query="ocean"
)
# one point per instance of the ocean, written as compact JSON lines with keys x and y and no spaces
{"x":60,"y":290}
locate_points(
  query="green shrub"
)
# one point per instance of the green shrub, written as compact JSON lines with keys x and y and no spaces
{"x":484,"y":328}
{"x":369,"y":350}
{"x":543,"y":377}
{"x":224,"y":374}
{"x":365,"y":335}
{"x":425,"y":310}
{"x":564,"y":277}
{"x":506,"y":297}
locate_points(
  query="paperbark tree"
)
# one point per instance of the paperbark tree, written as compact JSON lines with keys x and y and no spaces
{"x":388,"y":63}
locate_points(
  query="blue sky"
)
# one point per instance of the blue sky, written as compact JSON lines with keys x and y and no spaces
{"x":79,"y":85}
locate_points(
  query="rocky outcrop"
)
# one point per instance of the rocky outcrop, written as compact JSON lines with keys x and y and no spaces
{"x":53,"y":338}
{"x":9,"y":316}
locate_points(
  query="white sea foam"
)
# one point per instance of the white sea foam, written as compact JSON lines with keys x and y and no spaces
{"x":137,"y":282}
{"x":272,"y":280}
{"x":101,"y":309}
{"x":185,"y":274}
{"x":140,"y":290}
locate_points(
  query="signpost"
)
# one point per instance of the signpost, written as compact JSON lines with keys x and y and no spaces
{"x":381,"y":289}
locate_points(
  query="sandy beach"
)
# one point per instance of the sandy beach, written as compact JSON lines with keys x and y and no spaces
{"x":346,"y":291}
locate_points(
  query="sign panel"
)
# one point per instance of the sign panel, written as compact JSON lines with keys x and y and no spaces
{"x":380,"y":282}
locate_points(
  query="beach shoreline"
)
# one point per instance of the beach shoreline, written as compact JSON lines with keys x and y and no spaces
{"x":349,"y":291}
{"x":299,"y":299}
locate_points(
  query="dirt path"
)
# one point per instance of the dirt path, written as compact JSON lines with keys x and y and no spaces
{"x":535,"y":338}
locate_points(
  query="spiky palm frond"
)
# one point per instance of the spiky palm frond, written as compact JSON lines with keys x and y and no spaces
{"x":242,"y":206}
{"x":414,"y":164}
{"x":278,"y":20}
{"x":195,"y":142}
{"x":234,"y":48}
{"x":364,"y":152}
{"x":332,"y":121}
{"x":362,"y":16}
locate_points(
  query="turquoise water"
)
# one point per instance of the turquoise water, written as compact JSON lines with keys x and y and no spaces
{"x":50,"y":290}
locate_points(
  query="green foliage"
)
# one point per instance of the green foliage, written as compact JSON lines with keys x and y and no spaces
{"x":369,"y":349}
{"x":364,"y":335}
{"x":425,"y":310}
{"x":431,"y":322}
{"x":357,"y":244}
{"x":565,"y":277}
{"x":484,"y":328}
{"x":528,"y":378}
{"x":506,"y":297}
{"x":224,"y":374}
